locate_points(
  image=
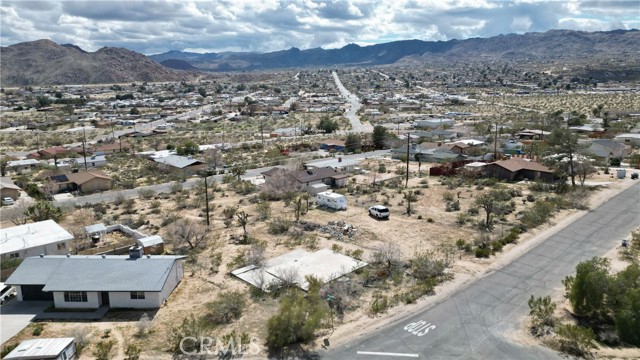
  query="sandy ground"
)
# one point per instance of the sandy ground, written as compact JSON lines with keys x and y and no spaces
{"x":201,"y":285}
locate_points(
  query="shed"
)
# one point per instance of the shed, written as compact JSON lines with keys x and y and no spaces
{"x":152,"y":245}
{"x":45,"y":349}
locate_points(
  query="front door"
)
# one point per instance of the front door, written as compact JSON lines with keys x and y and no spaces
{"x":105,"y":298}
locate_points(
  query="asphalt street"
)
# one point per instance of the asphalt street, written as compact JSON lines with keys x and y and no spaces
{"x":352,"y":112}
{"x":478,"y":321}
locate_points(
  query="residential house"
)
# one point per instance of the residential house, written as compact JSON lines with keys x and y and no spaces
{"x":604,"y":150}
{"x":516,"y":169}
{"x":107,"y":149}
{"x":50,"y":153}
{"x":89,"y":282}
{"x":82,"y":181}
{"x":42,"y":237}
{"x":532,"y":134}
{"x":339,"y":164}
{"x":629,"y":139}
{"x":304,"y":179}
{"x":22,"y":166}
{"x":180,"y":164}
{"x":44,"y":349}
{"x":8,"y":188}
{"x":434,"y":123}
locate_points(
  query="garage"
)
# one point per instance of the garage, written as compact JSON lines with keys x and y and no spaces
{"x":34,"y":292}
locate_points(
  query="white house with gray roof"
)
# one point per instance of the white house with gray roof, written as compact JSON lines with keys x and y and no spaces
{"x":91,"y":281}
{"x":42,"y":237}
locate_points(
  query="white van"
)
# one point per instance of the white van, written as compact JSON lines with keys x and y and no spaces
{"x":332,"y":200}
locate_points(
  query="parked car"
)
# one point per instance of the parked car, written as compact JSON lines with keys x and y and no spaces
{"x":6,"y":293}
{"x":379,"y":212}
{"x":7,"y":201}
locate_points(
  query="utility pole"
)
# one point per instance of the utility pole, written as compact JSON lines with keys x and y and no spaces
{"x":206,"y":196}
{"x":406,"y":183}
{"x":495,"y":145}
{"x":84,"y":146}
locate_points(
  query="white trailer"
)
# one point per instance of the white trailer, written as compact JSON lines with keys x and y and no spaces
{"x":332,"y":200}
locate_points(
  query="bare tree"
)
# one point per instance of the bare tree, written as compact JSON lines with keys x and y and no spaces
{"x":280,"y":185}
{"x":184,"y":231}
{"x":583,"y":170}
{"x":288,"y":276}
{"x":387,"y":255}
{"x":255,"y":255}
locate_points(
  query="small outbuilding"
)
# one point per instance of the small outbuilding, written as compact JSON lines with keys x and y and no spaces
{"x":44,"y":349}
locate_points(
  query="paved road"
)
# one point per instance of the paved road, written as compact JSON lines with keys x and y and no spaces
{"x":476,"y":322}
{"x":352,"y":112}
{"x":16,"y":315}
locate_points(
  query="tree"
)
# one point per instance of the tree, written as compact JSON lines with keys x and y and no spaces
{"x":541,"y":311}
{"x":587,"y":291}
{"x":490,"y":202}
{"x":583,"y":170}
{"x":43,"y":101}
{"x":238,"y":170}
{"x":353,"y":143}
{"x":243,"y":220}
{"x":327,"y":125}
{"x":410,"y":197}
{"x":202,"y":91}
{"x":563,"y":147}
{"x":187,"y":148}
{"x":4,"y":162}
{"x":185,"y":231}
{"x":379,"y":137}
{"x":43,"y":210}
{"x":134,"y":111}
{"x":299,"y":317}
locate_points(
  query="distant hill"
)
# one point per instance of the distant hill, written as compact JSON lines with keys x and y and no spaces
{"x":550,"y":45}
{"x":44,"y":62}
{"x":178,"y":64}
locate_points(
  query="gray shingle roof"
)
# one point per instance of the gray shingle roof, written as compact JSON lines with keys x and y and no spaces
{"x":94,"y":273}
{"x":177,"y":161}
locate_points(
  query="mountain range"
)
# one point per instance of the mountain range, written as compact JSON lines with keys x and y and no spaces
{"x":44,"y":62}
{"x":550,"y":45}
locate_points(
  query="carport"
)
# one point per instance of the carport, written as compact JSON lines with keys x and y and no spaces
{"x":34,"y":293}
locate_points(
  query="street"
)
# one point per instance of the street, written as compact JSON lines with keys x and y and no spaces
{"x":479,"y":321}
{"x":354,"y":106}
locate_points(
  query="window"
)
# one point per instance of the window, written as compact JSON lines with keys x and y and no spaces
{"x":137,"y":295}
{"x":75,"y":296}
{"x":14,"y":256}
{"x":61,"y":246}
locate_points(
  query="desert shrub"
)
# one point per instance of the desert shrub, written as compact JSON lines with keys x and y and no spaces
{"x":279,"y":226}
{"x":538,"y":214}
{"x":541,"y":311}
{"x":146,"y":193}
{"x":298,"y":319}
{"x":531,"y":198}
{"x":80,"y":336}
{"x":190,"y":327}
{"x":103,"y":350}
{"x":37,"y":330}
{"x":473,"y":211}
{"x":264,"y":210}
{"x":175,"y":187}
{"x":426,"y":265}
{"x":483,"y":252}
{"x":379,"y":304}
{"x":228,"y":307}
{"x":575,"y":340}
{"x":496,"y":246}
{"x":229,"y":212}
{"x":448,"y":196}
{"x":6,"y":349}
{"x":132,"y":352}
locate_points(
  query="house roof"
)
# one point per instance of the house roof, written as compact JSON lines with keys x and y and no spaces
{"x":178,"y":161}
{"x":516,"y":164}
{"x":304,"y":176}
{"x":14,"y":163}
{"x":27,"y":236}
{"x":272,"y":171}
{"x":85,"y":176}
{"x":7,"y":183}
{"x":39,"y":348}
{"x":333,"y":143}
{"x":609,"y":144}
{"x":94,"y":272}
{"x":332,"y":162}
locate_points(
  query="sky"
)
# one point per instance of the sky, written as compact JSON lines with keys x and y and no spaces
{"x":152,"y":27}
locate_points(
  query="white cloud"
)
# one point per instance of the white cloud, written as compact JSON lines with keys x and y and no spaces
{"x":270,"y":25}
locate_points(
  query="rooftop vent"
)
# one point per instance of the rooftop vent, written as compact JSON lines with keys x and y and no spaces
{"x":136,"y":252}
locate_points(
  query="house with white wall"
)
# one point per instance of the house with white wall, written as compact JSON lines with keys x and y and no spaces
{"x":42,"y":237}
{"x":90,"y":281}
